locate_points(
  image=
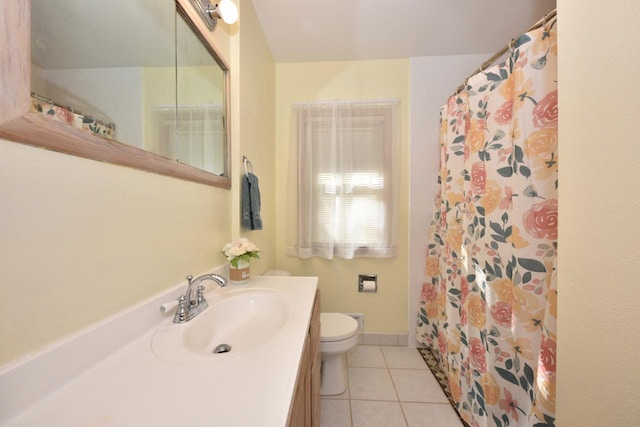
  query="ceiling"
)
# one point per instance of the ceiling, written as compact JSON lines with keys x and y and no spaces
{"x":337,"y":30}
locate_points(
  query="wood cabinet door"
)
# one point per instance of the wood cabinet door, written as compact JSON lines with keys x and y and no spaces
{"x":314,"y":337}
{"x":300,"y":416}
{"x":305,"y":409}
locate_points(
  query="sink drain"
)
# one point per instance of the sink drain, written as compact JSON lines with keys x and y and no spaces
{"x":222,"y":348}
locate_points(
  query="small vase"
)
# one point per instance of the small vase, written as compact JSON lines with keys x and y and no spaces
{"x":241,"y":274}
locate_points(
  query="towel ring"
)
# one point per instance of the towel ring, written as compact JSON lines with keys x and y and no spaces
{"x":247,"y":165}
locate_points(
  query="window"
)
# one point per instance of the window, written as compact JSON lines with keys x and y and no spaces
{"x":191,"y":134}
{"x":347,"y":194}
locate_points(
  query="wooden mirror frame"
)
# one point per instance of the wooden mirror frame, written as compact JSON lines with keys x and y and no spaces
{"x":19,"y":124}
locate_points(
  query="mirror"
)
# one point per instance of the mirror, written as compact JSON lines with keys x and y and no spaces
{"x":130,"y":82}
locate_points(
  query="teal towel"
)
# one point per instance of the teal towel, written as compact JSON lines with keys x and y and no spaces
{"x":251,"y":202}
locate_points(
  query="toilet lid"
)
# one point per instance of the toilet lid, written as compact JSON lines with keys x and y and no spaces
{"x":337,"y":326}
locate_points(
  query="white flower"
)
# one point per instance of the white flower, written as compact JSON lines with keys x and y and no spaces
{"x":237,"y":251}
{"x":241,"y":249}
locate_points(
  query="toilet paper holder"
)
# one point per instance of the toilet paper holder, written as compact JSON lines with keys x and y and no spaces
{"x":367,"y":283}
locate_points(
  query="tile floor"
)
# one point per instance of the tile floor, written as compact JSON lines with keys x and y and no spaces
{"x":389,"y":386}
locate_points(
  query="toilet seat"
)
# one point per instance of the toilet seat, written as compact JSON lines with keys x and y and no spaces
{"x":336,"y":327}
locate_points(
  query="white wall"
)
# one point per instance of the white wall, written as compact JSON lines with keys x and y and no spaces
{"x":38,"y":82}
{"x":109,"y":94}
{"x":599,"y":237}
{"x":433,"y":80}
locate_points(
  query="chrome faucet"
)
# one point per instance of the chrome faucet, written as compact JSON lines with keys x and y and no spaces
{"x":189,"y":306}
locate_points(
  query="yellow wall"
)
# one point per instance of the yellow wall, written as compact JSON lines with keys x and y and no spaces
{"x":598,"y":291}
{"x":385,"y":311}
{"x":81,"y":240}
{"x":256,"y":131}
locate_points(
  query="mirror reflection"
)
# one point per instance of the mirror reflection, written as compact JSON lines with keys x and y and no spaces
{"x":132,"y":71}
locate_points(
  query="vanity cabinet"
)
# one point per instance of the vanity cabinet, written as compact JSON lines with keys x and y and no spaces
{"x":305,"y":408}
{"x":314,"y":338}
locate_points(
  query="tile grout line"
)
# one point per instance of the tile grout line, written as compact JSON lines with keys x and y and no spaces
{"x":395,"y":388}
{"x":385,"y":359}
{"x":346,"y":360}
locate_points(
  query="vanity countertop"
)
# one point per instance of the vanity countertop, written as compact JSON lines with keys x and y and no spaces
{"x":134,"y":387}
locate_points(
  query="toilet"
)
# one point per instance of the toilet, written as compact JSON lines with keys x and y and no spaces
{"x":338,"y":335}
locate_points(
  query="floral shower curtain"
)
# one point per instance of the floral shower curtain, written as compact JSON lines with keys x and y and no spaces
{"x":488,"y":306}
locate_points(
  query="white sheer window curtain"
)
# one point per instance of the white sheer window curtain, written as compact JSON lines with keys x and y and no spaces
{"x":347,"y":178}
{"x":192,"y":134}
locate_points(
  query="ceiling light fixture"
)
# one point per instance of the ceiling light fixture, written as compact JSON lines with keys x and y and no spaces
{"x":225,"y":10}
{"x":211,"y":12}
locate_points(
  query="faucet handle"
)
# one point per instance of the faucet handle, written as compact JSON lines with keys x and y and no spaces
{"x":189,"y":279}
{"x":168,"y":306}
{"x":181,"y":311}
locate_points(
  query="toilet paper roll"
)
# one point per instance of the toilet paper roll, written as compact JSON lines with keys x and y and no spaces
{"x":368,"y":286}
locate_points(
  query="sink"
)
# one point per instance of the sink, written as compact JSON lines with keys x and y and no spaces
{"x":241,"y":319}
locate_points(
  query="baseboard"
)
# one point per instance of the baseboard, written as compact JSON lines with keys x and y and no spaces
{"x":372,"y":338}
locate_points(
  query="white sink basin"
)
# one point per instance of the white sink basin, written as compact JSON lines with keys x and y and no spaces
{"x":242,"y":319}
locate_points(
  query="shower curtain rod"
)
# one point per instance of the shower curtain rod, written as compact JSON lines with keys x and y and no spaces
{"x":502,"y":51}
